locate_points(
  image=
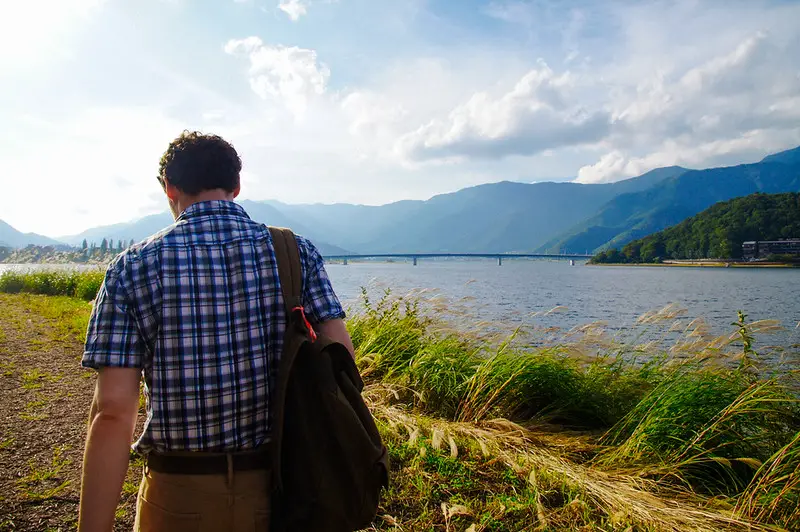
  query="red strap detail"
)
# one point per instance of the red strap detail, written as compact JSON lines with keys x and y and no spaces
{"x":310,"y":329}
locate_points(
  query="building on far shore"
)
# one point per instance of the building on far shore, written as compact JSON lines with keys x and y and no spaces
{"x":761,"y":249}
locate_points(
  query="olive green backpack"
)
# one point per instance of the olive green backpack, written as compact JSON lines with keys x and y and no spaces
{"x":328,"y":462}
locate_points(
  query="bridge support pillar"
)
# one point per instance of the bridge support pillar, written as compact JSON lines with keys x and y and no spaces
{"x":499,"y":261}
{"x":415,"y":261}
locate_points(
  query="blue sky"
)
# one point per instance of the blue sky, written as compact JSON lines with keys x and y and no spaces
{"x":373,"y":101}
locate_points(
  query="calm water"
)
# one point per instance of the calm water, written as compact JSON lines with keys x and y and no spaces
{"x":515,"y":292}
{"x":521,"y":292}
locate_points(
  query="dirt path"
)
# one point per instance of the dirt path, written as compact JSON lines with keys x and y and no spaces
{"x":45,"y":398}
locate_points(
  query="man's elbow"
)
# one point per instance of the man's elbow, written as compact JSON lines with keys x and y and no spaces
{"x":113,"y":414}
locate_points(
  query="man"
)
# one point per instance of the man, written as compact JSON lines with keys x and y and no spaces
{"x":197,"y":310}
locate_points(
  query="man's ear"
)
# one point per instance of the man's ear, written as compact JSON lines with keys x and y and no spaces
{"x":171,"y":190}
{"x":237,"y":190}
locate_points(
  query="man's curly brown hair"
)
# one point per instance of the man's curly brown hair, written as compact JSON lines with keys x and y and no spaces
{"x":195,"y":162}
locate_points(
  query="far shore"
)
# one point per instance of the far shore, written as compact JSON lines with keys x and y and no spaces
{"x":704,"y":264}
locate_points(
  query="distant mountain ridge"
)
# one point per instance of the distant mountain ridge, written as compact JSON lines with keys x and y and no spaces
{"x":785,"y":157}
{"x":501,"y":217}
{"x":495,"y":217}
{"x":628,"y":217}
{"x":10,"y":237}
{"x":140,"y":229}
{"x":492,"y":218}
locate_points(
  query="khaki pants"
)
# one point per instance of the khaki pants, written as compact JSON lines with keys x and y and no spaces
{"x":236,"y":502}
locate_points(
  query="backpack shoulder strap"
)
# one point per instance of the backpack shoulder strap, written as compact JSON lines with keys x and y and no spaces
{"x":290,"y":277}
{"x":290,"y":273}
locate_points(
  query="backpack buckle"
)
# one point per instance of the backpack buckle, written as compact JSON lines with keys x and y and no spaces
{"x":309,"y":328}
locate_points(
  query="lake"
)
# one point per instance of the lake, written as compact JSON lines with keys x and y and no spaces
{"x":521,"y":292}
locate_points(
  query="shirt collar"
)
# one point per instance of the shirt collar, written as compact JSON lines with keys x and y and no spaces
{"x":212,"y":208}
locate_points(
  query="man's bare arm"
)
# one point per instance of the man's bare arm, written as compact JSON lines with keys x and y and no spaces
{"x":337,"y":331}
{"x":105,"y":460}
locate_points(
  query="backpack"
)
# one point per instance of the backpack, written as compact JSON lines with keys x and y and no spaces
{"x":328,"y":461}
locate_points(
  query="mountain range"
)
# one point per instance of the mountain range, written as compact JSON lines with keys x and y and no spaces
{"x":498,"y":217}
{"x":628,"y":217}
{"x":10,"y":237}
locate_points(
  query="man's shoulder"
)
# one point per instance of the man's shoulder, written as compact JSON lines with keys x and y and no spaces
{"x":306,"y":245}
{"x":145,"y":249}
{"x":154,"y":242}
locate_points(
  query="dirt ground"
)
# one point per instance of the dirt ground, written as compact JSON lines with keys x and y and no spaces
{"x":44,"y":397}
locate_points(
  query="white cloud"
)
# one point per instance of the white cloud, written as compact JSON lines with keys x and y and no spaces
{"x":627,"y":86}
{"x":747,"y":147}
{"x":32,"y":31}
{"x":739,"y":102}
{"x":291,"y":75}
{"x":294,"y":9}
{"x":539,"y":113}
{"x":89,"y":156}
{"x":371,"y":114}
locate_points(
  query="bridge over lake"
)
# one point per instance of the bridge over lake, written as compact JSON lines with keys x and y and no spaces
{"x":414,"y":257}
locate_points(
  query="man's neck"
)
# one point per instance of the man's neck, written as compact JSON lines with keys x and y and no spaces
{"x":206,"y":195}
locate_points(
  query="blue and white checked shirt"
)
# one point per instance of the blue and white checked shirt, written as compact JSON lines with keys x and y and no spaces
{"x":198,"y":307}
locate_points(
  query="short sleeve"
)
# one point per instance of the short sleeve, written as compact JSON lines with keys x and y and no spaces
{"x":113,"y":338}
{"x":320,"y":301}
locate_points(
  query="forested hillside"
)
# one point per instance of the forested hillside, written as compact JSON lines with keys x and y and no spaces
{"x":717,"y":232}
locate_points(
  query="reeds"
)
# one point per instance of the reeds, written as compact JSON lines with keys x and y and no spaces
{"x":582,"y":430}
{"x":708,"y":423}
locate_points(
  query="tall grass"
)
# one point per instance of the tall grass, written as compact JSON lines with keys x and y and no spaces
{"x":81,"y":285}
{"x":709,"y":429}
{"x":774,"y":493}
{"x":459,"y":376}
{"x":686,"y":421}
{"x":694,"y":423}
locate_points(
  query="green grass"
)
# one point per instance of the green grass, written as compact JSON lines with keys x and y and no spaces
{"x":7,"y":369}
{"x":44,"y":482}
{"x":68,"y":316}
{"x":577,"y":434}
{"x":81,"y":285}
{"x":35,"y":378}
{"x":432,"y":485}
{"x":699,"y":424}
{"x":463,"y":378}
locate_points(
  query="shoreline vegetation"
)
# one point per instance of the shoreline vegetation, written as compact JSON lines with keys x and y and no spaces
{"x":484,"y":432}
{"x":701,"y":264}
{"x":718,"y":234}
{"x":55,"y":255}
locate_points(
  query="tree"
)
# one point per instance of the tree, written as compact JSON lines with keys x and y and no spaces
{"x":119,"y":245}
{"x":104,"y":246}
{"x":652,"y":250}
{"x":84,"y":245}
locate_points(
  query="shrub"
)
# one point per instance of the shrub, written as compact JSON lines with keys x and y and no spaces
{"x":83,"y":285}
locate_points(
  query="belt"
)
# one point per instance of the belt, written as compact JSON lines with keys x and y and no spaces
{"x":202,"y":463}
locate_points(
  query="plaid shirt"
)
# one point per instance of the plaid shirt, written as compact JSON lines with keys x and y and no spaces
{"x":199,"y":308}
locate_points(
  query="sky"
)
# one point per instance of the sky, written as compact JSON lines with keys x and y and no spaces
{"x":374,"y":101}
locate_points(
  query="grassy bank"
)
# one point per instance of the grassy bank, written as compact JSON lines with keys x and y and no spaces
{"x":486,"y":433}
{"x":80,"y":285}
{"x":688,"y":427}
